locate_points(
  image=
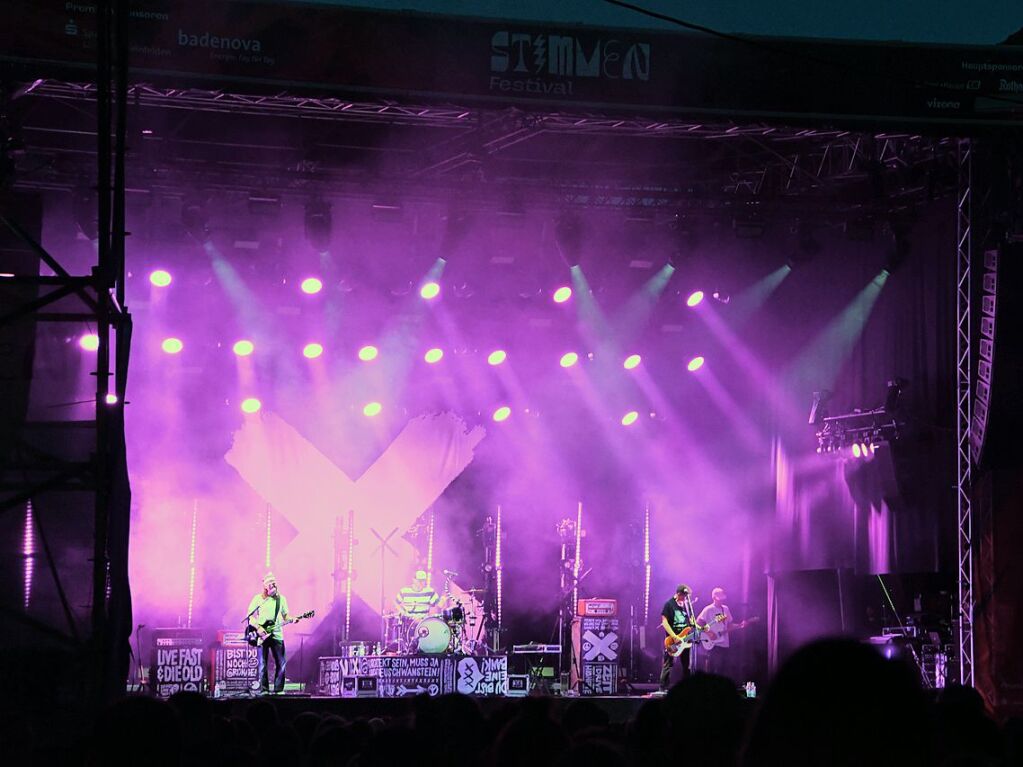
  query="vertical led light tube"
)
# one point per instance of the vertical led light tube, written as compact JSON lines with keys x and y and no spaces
{"x":429,"y":549}
{"x":268,"y":536}
{"x":499,"y":569}
{"x":578,"y":555}
{"x":29,"y":550}
{"x":191,"y":561}
{"x":646,"y":565}
{"x":349,"y":567}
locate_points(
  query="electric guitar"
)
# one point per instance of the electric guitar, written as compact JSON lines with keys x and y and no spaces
{"x":711,"y":639}
{"x":674,"y":645}
{"x":255,"y":635}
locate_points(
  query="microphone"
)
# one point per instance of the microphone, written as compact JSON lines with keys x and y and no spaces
{"x":450,"y":573}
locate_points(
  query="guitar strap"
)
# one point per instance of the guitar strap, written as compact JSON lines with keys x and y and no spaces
{"x":277,"y":610}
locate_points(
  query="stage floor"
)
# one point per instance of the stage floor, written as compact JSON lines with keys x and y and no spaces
{"x":620,"y":708}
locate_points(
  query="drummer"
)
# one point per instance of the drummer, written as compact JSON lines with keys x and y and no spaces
{"x":417,"y":600}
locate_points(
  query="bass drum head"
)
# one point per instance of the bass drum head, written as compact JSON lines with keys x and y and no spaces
{"x":433,"y":636}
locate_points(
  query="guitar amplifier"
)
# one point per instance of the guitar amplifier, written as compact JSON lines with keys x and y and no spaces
{"x":597,"y":608}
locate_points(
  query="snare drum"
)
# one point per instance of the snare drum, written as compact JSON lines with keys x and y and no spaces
{"x":432,"y":636}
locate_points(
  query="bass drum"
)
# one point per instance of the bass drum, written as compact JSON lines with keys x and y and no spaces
{"x":432,"y":636}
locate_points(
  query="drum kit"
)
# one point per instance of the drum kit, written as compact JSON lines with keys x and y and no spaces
{"x":453,"y":630}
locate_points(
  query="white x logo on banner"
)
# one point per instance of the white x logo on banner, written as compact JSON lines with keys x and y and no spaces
{"x":602,"y":648}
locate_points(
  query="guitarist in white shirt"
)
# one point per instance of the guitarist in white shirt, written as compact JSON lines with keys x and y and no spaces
{"x":270,"y":605}
{"x":714,"y":653}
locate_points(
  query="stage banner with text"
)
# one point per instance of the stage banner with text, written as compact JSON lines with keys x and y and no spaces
{"x":370,"y":54}
{"x":235,"y":671}
{"x":177,"y":662}
{"x":399,"y":675}
{"x":482,"y":676}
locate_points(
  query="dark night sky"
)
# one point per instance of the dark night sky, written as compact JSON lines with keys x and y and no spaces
{"x":921,"y":21}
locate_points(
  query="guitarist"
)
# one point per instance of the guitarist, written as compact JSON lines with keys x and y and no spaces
{"x":676,"y":616}
{"x":717,"y":619}
{"x":270,"y":605}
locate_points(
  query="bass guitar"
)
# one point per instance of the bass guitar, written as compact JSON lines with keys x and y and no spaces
{"x":674,"y":645}
{"x":255,"y":635}
{"x":711,"y":639}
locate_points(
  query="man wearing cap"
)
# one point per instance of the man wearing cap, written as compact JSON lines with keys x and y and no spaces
{"x":418,"y":600}
{"x":676,"y":618}
{"x":270,"y":606}
{"x":716,"y":618}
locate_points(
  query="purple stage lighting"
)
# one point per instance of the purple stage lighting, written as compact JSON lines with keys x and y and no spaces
{"x":569,"y":359}
{"x":311,"y":285}
{"x":502,"y":413}
{"x":497,"y":356}
{"x":89,"y":342}
{"x":172,"y":345}
{"x":632,"y":361}
{"x":562,"y":294}
{"x":161,"y":278}
{"x":430,"y":290}
{"x":372,"y":408}
{"x":243,"y":348}
{"x":111,"y":399}
{"x":629,"y":418}
{"x":312,"y":351}
{"x":251,"y":405}
{"x":433,"y":355}
{"x":368,"y":353}
{"x":695,"y":364}
{"x":694,"y":298}
{"x":855,"y":450}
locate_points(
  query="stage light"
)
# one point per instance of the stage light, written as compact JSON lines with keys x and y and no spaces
{"x":371,"y":409}
{"x":694,"y":298}
{"x":89,"y":342}
{"x":629,"y":418}
{"x":161,"y":278}
{"x":111,"y":399}
{"x":429,"y":290}
{"x":496,"y":357}
{"x":562,"y":294}
{"x":312,"y":351}
{"x":172,"y":345}
{"x":312,"y":285}
{"x":433,"y":355}
{"x":864,"y":450}
{"x":243,"y":348}
{"x":368,"y":353}
{"x":569,"y":359}
{"x":502,"y":413}
{"x":251,"y":405}
{"x":855,"y":450}
{"x":631,"y":361}
{"x":721,"y":296}
{"x":695,"y":364}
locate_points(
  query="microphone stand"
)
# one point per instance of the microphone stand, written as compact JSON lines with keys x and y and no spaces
{"x":696,"y":629}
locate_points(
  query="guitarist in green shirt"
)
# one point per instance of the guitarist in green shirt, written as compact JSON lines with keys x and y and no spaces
{"x":268,"y":612}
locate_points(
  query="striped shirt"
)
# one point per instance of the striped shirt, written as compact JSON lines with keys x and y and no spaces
{"x":413,"y":602}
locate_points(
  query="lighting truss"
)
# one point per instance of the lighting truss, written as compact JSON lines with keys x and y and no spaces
{"x":863,"y":427}
{"x":963,"y":409}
